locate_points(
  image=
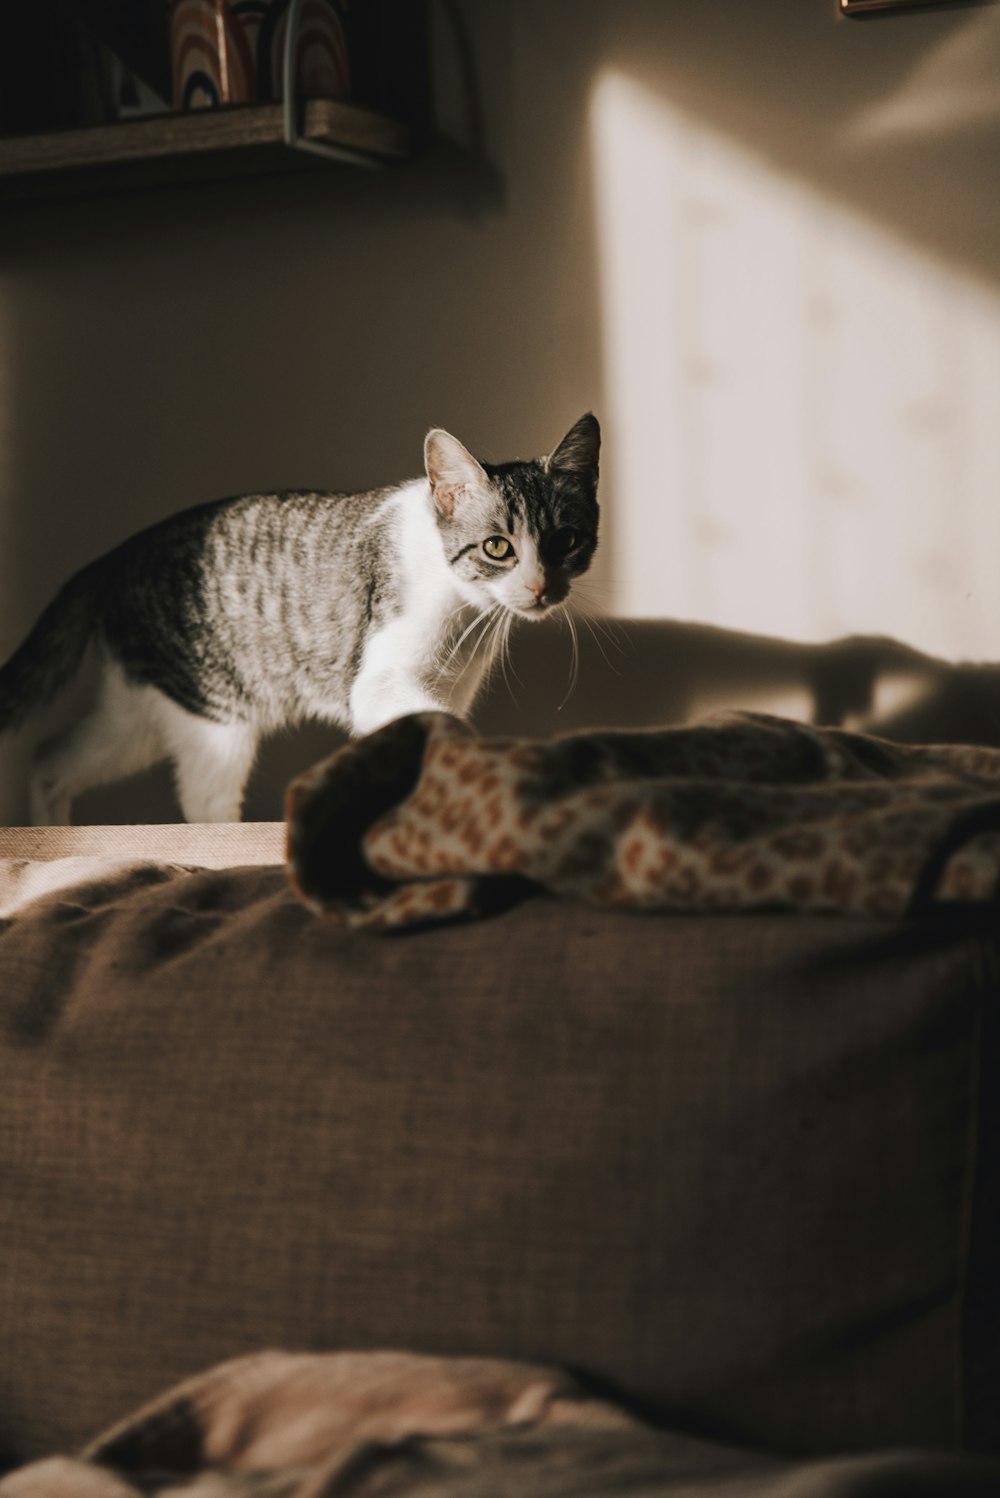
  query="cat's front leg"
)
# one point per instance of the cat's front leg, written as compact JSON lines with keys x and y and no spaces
{"x":379,"y":697}
{"x":397,"y":674}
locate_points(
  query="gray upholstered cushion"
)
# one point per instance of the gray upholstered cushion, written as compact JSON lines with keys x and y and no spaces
{"x":725,"y":1164}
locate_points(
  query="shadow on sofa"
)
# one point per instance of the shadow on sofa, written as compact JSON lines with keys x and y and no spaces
{"x":634,"y":673}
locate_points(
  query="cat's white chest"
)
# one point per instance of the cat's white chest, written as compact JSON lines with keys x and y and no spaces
{"x":403,"y":669}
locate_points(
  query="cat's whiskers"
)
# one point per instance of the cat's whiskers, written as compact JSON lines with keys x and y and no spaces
{"x":585,"y":591}
{"x":592,"y":629}
{"x":494,"y":638}
{"x":508,"y":653}
{"x":615,"y":635}
{"x":488,"y":638}
{"x":503,"y":650}
{"x":484,"y":617}
{"x":574,"y":670}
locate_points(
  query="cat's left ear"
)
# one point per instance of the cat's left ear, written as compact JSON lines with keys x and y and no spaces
{"x":453,"y":472}
{"x":579,"y":451}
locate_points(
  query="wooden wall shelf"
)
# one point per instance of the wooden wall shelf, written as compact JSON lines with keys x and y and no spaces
{"x":204,"y":144}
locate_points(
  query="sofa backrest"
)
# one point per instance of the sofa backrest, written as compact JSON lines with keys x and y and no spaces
{"x":723,"y":1165}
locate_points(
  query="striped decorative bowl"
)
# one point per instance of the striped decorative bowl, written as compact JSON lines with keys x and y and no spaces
{"x":231,"y":51}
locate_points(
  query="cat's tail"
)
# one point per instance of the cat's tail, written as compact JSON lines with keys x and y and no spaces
{"x":50,"y":656}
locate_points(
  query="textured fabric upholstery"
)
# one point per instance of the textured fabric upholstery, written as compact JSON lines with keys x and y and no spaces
{"x":726,"y":1165}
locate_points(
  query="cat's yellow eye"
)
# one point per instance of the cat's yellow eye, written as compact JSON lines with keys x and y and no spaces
{"x":499,"y":548}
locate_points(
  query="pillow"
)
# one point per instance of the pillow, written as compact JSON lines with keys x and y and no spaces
{"x":725,"y":1166}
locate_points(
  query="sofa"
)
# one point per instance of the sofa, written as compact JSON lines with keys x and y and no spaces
{"x":553,"y":1193}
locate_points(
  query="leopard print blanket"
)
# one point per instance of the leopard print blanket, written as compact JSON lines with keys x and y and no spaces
{"x":422,"y":821}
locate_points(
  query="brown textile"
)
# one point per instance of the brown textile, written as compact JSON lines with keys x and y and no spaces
{"x":393,"y":1425}
{"x":423,"y":822}
{"x":724,"y":1164}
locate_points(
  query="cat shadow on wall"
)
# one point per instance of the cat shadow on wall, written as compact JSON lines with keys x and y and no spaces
{"x":645,"y":673}
{"x":649,"y":672}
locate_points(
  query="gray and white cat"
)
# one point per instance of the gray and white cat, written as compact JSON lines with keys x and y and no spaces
{"x":232,"y":619}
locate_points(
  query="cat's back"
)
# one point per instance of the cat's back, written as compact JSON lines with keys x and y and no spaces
{"x":227,"y":544}
{"x":249,"y":524}
{"x":264,"y":595}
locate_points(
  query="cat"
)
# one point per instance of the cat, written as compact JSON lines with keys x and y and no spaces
{"x":235,"y":618}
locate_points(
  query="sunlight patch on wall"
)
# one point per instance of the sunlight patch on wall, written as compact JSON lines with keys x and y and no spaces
{"x":802,"y":434}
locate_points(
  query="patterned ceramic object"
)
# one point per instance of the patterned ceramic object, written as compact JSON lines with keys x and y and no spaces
{"x":231,"y":51}
{"x":211,"y":60}
{"x":322,"y":62}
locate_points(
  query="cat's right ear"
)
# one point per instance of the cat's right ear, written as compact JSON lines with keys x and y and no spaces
{"x":452,"y":470}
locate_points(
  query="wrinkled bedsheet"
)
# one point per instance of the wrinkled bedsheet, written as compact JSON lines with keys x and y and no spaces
{"x":396,"y":1425}
{"x":422,"y":821}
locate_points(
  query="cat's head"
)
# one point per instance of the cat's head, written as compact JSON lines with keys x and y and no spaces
{"x":517,"y":533}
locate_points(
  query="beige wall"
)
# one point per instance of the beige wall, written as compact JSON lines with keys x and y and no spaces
{"x":157,"y":350}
